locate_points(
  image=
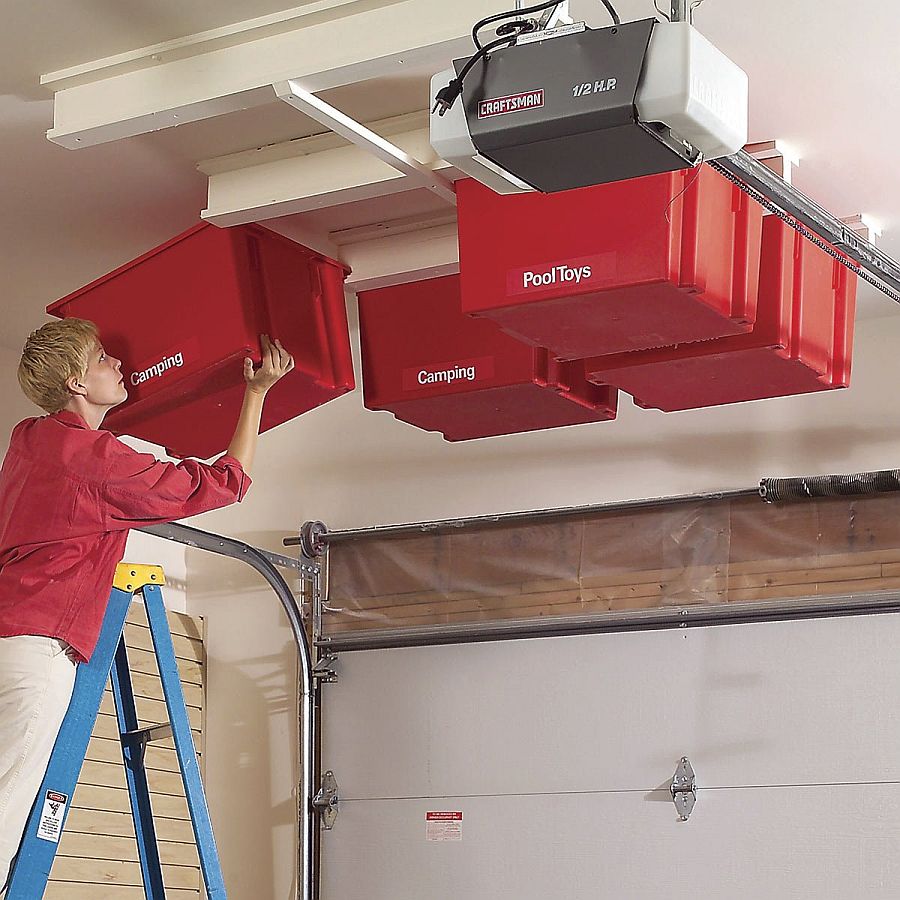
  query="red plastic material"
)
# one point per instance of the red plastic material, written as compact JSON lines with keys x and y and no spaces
{"x":802,"y":341}
{"x":439,"y":370}
{"x":631,"y":265}
{"x":183,"y":316}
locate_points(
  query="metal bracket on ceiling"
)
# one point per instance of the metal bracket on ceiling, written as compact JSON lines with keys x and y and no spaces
{"x":292,"y":93}
{"x":551,"y":17}
{"x":682,"y":11}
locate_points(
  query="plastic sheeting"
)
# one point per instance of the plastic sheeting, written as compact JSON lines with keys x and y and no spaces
{"x":708,"y":552}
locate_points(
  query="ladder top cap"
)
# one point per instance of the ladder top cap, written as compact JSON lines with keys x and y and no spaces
{"x":131,"y":577}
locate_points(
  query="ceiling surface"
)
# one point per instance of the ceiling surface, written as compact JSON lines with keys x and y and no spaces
{"x":823,"y":78}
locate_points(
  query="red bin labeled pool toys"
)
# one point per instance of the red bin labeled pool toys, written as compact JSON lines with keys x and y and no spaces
{"x":632,"y":265}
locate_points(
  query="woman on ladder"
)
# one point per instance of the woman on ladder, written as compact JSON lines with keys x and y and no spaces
{"x":69,"y":493}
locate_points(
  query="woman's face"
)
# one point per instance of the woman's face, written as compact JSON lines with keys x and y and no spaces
{"x":103,"y":380}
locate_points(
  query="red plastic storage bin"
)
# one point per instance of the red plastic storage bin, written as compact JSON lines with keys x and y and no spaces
{"x":631,"y":265}
{"x":183,"y":316}
{"x":439,"y":370}
{"x":802,"y":341}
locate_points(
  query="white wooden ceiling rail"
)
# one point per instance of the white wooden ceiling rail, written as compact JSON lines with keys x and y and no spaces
{"x":324,"y":44}
{"x":294,"y":94}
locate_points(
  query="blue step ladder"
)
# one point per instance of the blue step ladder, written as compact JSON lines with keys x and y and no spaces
{"x":31,"y":869}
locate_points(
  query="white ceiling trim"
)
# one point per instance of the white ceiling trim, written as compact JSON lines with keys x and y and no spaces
{"x":203,"y":41}
{"x":402,"y":258}
{"x":345,"y":43}
{"x":311,"y":173}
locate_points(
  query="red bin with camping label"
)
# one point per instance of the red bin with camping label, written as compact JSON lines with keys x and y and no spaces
{"x":183,"y":316}
{"x":433,"y":367}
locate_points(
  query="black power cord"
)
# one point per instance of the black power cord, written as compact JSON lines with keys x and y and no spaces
{"x":507,"y":35}
{"x":510,"y":14}
{"x":446,"y":96}
{"x":612,"y":11}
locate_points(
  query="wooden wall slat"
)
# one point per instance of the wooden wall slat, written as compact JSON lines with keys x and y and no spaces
{"x":68,"y":890}
{"x":106,"y":846}
{"x":110,"y":751}
{"x":120,"y":824}
{"x":120,"y":872}
{"x":154,"y":711}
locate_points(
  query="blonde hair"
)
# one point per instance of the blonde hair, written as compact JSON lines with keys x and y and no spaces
{"x":53,"y":354}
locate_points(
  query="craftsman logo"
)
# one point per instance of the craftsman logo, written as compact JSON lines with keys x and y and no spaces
{"x":594,"y":87}
{"x":500,"y":106}
{"x":174,"y":361}
{"x":562,"y":276}
{"x":465,"y":371}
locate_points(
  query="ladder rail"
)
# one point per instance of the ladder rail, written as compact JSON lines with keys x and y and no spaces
{"x":184,"y":743}
{"x":31,"y":868}
{"x":136,"y":775}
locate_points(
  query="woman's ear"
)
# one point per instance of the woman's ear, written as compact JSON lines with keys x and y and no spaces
{"x":75,"y":386}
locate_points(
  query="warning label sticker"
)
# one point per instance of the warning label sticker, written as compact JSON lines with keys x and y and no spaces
{"x":52,"y":815}
{"x":443,"y":825}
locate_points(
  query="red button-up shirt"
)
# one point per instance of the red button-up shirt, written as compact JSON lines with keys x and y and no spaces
{"x":68,"y":496}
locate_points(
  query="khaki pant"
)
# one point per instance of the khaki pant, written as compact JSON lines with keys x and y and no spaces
{"x":36,"y":680}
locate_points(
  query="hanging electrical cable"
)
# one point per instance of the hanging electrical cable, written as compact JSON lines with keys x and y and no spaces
{"x":614,"y":14}
{"x":510,"y":14}
{"x":506,"y":36}
{"x":446,"y":96}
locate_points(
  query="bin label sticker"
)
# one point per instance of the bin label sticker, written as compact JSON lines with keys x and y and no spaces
{"x":443,"y":825}
{"x":184,"y":354}
{"x":461,"y":371}
{"x":559,"y":276}
{"x":52,"y":815}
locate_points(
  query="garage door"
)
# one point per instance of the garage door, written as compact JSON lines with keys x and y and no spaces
{"x":549,"y":761}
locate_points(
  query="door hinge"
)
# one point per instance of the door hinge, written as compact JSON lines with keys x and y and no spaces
{"x":325,"y":803}
{"x":684,"y":789}
{"x":323,"y":672}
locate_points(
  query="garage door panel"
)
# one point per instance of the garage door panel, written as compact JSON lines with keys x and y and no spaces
{"x":762,"y":704}
{"x":739,"y":844}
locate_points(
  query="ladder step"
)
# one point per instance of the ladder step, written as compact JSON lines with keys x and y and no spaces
{"x":145,"y":735}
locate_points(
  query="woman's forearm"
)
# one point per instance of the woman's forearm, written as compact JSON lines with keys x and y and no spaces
{"x":243,"y":444}
{"x":276,"y":363}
